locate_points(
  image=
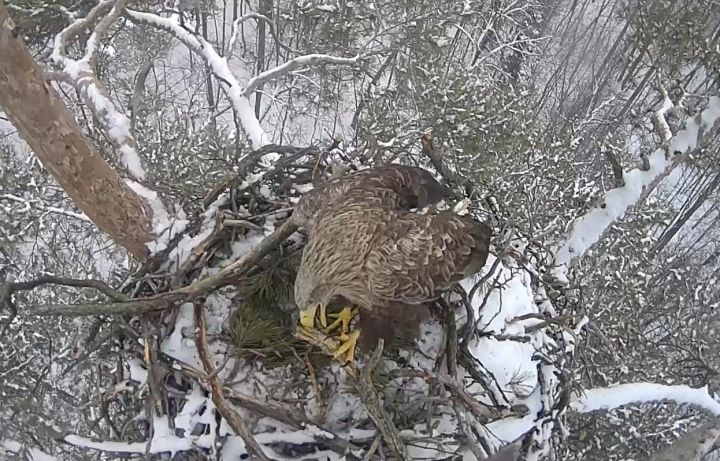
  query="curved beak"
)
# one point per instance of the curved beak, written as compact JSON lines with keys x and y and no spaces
{"x":307,"y":317}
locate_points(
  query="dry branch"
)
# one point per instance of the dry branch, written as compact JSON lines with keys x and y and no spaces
{"x":218,"y":394}
{"x":370,"y":398}
{"x":133,"y":307}
{"x":124,"y":305}
{"x":482,"y":413}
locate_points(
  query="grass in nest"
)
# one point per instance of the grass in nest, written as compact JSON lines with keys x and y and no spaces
{"x":259,"y":327}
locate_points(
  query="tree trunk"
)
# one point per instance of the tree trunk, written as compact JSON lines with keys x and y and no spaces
{"x":42,"y":120}
{"x":693,"y":446}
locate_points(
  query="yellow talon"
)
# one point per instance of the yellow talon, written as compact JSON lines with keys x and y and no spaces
{"x":342,"y":319}
{"x":348,"y":342}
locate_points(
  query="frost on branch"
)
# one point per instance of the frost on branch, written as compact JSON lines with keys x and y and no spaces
{"x":588,"y":229}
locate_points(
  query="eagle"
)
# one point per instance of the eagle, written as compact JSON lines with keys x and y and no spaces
{"x":375,"y":251}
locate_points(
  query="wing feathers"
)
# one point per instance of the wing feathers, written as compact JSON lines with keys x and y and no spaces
{"x":396,"y":187}
{"x":420,"y":255}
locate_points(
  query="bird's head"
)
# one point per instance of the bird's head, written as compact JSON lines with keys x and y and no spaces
{"x":310,"y":298}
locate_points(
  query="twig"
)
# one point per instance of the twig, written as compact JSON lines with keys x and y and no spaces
{"x":218,"y":395}
{"x":436,"y":159}
{"x":8,"y":289}
{"x":70,"y":282}
{"x":482,"y":413}
{"x":248,"y":163}
{"x":234,"y":270}
{"x":480,"y":453}
{"x":451,"y":342}
{"x":370,"y":398}
{"x":373,"y":447}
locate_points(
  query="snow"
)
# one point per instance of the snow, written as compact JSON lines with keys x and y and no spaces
{"x":177,"y":345}
{"x":198,"y":409}
{"x":164,"y":441}
{"x":608,"y":398}
{"x":14,"y":447}
{"x":588,"y":229}
{"x":138,"y":373}
{"x":182,"y":251}
{"x":508,"y":361}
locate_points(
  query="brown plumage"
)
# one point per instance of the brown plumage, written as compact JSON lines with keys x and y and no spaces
{"x":367,"y":248}
{"x":396,"y":187}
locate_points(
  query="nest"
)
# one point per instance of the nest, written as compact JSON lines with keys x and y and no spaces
{"x":262,"y":324}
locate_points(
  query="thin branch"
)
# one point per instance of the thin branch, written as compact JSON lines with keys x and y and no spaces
{"x":49,"y":209}
{"x":482,"y":413}
{"x":294,"y":64}
{"x":370,"y":398}
{"x":236,"y":269}
{"x":258,"y":17}
{"x":218,"y":395}
{"x":69,"y":282}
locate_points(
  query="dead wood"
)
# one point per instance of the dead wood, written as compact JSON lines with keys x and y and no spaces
{"x":218,"y":394}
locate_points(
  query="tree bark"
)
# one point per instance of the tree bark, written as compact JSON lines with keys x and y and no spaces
{"x":42,"y":120}
{"x":693,"y":446}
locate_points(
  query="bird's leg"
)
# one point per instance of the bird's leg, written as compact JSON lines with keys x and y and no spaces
{"x":346,"y":350}
{"x":342,"y":319}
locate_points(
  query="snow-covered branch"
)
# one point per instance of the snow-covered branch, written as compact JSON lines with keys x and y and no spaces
{"x":239,"y":96}
{"x":81,"y":74}
{"x":608,"y":398}
{"x":294,"y":64}
{"x":660,"y":116}
{"x":639,"y":182}
{"x":219,"y":66}
{"x":49,"y":209}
